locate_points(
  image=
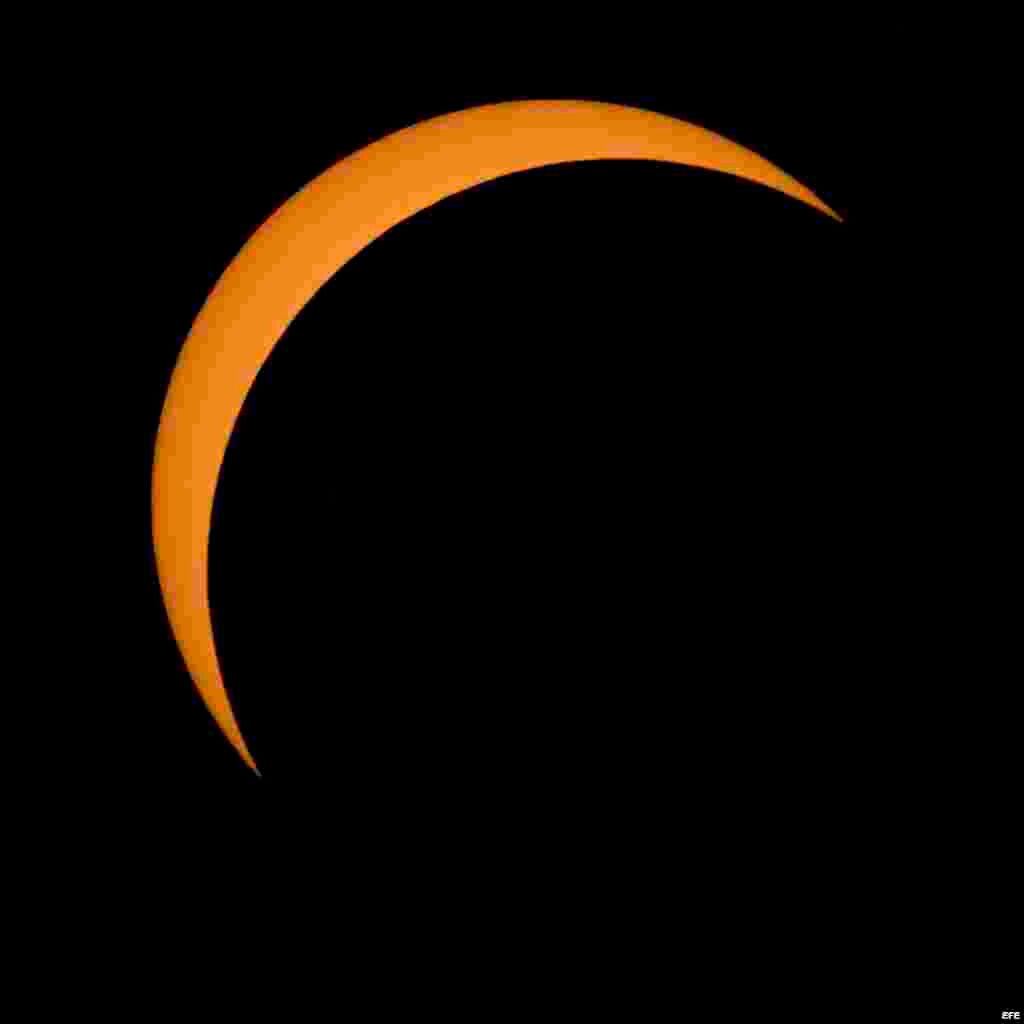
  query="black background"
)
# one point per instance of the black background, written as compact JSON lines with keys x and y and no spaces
{"x":590,"y":509}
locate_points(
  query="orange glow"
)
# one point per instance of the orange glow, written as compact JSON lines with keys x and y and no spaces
{"x":307,"y":241}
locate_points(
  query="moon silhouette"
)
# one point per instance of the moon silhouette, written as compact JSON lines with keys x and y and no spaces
{"x":304,"y":243}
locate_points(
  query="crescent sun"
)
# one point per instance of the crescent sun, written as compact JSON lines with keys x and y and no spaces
{"x":304,"y":243}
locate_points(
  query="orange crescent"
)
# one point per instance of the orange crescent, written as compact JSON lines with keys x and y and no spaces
{"x":308,"y":240}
